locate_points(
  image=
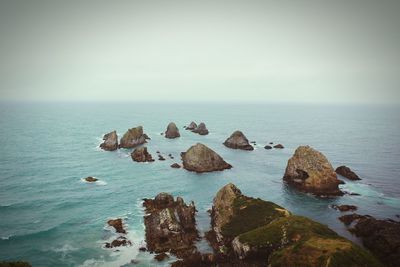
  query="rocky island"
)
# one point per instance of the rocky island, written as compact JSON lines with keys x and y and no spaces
{"x":172,"y":131}
{"x":199,"y":158}
{"x":347,"y":172}
{"x":141,"y":154}
{"x":309,"y":170}
{"x":191,"y":126}
{"x":133,"y":137}
{"x":238,"y":140}
{"x":201,"y":129}
{"x":110,"y":141}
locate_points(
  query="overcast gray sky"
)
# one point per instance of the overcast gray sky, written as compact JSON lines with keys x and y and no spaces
{"x":278,"y":51}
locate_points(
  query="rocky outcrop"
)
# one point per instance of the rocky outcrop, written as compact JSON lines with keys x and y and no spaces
{"x":172,"y":131}
{"x":117,"y":224}
{"x":381,"y":237}
{"x":309,"y":171}
{"x":91,"y":179}
{"x":133,"y":137}
{"x":252,"y":232}
{"x":175,"y":165}
{"x":347,"y":172}
{"x":200,"y":158}
{"x":201,"y":129}
{"x":141,"y":154}
{"x":170,"y":225}
{"x":110,"y":141}
{"x":191,"y":126}
{"x":344,"y":208}
{"x":238,"y":140}
{"x":120,"y":241}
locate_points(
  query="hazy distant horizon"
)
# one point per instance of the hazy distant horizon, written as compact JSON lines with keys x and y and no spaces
{"x":338,"y":52}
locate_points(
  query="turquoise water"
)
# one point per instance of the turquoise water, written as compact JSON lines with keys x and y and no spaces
{"x":50,"y":217}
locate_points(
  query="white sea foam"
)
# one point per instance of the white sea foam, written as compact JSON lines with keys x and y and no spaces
{"x":5,"y":237}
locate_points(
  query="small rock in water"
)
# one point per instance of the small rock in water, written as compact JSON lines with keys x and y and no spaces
{"x":201,"y":129}
{"x":347,"y":172}
{"x":175,"y":165}
{"x":162,"y":256}
{"x":160,"y":157}
{"x":271,"y":143}
{"x":91,"y":179}
{"x":141,"y":155}
{"x":280,"y":146}
{"x":142,"y":249}
{"x":191,"y":126}
{"x":344,"y":208}
{"x":117,"y":224}
{"x":268,"y":147}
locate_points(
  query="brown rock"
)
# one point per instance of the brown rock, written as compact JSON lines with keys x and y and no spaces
{"x":280,"y":146}
{"x":133,"y":137}
{"x":344,"y":208}
{"x":238,"y":140}
{"x":140,"y":154}
{"x":201,"y":129}
{"x":347,"y":172}
{"x":162,"y":256}
{"x":91,"y":179}
{"x":309,"y":170}
{"x":172,"y":131}
{"x":117,"y":224}
{"x":350,"y":218}
{"x":110,"y":141}
{"x":191,"y":126}
{"x":121,"y":241}
{"x":200,"y":158}
{"x":175,"y":165}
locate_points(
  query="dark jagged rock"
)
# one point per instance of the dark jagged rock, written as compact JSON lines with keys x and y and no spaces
{"x":201,"y":129}
{"x":160,"y":157}
{"x":175,"y":165}
{"x":268,"y":147}
{"x":14,"y":264}
{"x":253,"y":232}
{"x":120,"y":241}
{"x":308,"y":170}
{"x":347,"y":172}
{"x":162,"y":256}
{"x":133,"y":137}
{"x":191,"y":126}
{"x":172,"y":131}
{"x":91,"y":179}
{"x":110,"y":141}
{"x":381,"y":237}
{"x":200,"y":158}
{"x":117,"y":224}
{"x":170,"y":225}
{"x":344,"y":208}
{"x":271,"y":143}
{"x":238,"y":140}
{"x":142,"y":249}
{"x":350,"y":218}
{"x":141,"y":154}
{"x":280,"y":146}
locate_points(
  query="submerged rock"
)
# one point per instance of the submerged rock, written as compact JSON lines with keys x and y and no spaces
{"x":175,"y":165}
{"x":344,"y":208}
{"x":91,"y":179}
{"x":170,"y":225}
{"x":200,"y":158}
{"x":347,"y":172}
{"x":191,"y":126}
{"x":309,"y":170}
{"x":201,"y":129}
{"x":280,"y":146}
{"x":238,"y":140}
{"x":172,"y":131}
{"x":117,"y":224}
{"x":133,"y":137}
{"x":140,"y":154}
{"x":110,"y":141}
{"x":252,"y":232}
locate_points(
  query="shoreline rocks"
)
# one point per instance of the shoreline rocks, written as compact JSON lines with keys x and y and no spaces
{"x":133,"y":137}
{"x":141,"y":154}
{"x":201,"y":129}
{"x":172,"y":131}
{"x":347,"y":173}
{"x":199,"y":158}
{"x":308,"y":170}
{"x":110,"y":141}
{"x":238,"y":140}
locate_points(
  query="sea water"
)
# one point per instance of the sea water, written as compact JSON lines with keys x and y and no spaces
{"x":50,"y":216}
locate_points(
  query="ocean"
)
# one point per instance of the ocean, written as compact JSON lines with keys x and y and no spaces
{"x":50,"y":217}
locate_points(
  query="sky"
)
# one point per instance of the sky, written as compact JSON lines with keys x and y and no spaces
{"x":342,"y":51}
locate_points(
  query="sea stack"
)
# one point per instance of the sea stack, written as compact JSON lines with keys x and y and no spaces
{"x":347,"y":172}
{"x":199,"y":158}
{"x":110,"y":141}
{"x":308,"y":170}
{"x":201,"y":129}
{"x":133,"y":137}
{"x":172,"y":131}
{"x":238,"y":140}
{"x":191,"y":126}
{"x":140,"y":154}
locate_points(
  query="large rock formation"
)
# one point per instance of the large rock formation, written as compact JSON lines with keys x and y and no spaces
{"x":200,"y":158}
{"x":191,"y":126}
{"x":140,"y":154}
{"x":238,"y":140}
{"x":308,"y":170}
{"x":252,"y":232}
{"x":381,"y":237}
{"x":133,"y":137}
{"x":110,"y":141}
{"x":172,"y":131}
{"x":347,"y":172}
{"x":201,"y":129}
{"x":170,"y":225}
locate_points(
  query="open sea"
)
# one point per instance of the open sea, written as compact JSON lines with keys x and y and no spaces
{"x":50,"y":217}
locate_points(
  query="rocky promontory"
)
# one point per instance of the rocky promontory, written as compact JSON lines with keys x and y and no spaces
{"x":201,"y":129}
{"x":200,"y":158}
{"x":252,"y":232}
{"x":110,"y":141}
{"x":309,"y":170}
{"x":172,"y":131}
{"x":133,"y":137}
{"x":347,"y":172}
{"x":238,"y":140}
{"x":141,"y":154}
